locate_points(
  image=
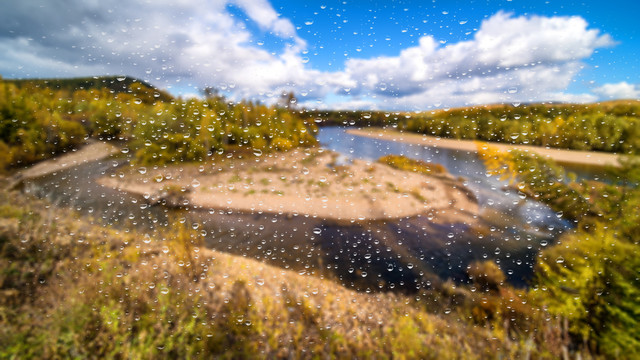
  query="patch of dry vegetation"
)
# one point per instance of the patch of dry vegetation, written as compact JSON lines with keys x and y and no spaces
{"x":72,"y":289}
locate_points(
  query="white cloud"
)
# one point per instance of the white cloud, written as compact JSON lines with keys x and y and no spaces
{"x":514,"y":41}
{"x":572,"y":98}
{"x":167,"y":42}
{"x":266,"y":17}
{"x":187,"y":44}
{"x":510,"y":59}
{"x":621,"y":90}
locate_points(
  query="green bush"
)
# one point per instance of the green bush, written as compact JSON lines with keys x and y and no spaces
{"x":408,"y":164}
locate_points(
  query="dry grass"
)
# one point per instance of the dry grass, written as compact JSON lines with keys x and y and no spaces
{"x":71,"y":289}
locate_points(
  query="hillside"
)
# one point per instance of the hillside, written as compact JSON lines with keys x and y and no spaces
{"x":115,"y":84}
{"x":70,"y":288}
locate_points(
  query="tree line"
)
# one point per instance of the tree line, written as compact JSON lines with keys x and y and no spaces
{"x":41,"y":118}
{"x":610,"y":126}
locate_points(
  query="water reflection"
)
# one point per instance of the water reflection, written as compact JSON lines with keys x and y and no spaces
{"x":492,"y":194}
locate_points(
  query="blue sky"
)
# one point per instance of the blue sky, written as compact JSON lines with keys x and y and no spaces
{"x":370,"y":23}
{"x":397,"y":55}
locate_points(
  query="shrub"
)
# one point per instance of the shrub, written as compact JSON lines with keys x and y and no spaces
{"x":405,"y":163}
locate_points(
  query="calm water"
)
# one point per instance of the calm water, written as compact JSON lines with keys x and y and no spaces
{"x":491,"y":193}
{"x":404,"y":254}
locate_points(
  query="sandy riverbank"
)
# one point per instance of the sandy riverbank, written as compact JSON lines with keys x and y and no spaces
{"x":92,"y":151}
{"x":559,"y":155}
{"x":303,"y":182}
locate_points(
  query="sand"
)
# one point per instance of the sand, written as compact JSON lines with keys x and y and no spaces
{"x":591,"y":158}
{"x":91,"y":151}
{"x":302,"y":182}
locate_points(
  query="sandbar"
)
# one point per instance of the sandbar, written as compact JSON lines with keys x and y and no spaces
{"x":91,"y":151}
{"x":302,"y":182}
{"x":591,"y":158}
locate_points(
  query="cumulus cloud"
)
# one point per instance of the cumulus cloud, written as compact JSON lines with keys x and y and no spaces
{"x":510,"y":59}
{"x":166,"y":42}
{"x":266,"y":17}
{"x":621,"y":90}
{"x":201,"y":43}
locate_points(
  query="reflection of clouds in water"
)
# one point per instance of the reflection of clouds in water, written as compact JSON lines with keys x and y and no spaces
{"x":491,"y":192}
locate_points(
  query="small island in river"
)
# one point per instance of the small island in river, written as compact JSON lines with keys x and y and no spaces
{"x":309,"y":182}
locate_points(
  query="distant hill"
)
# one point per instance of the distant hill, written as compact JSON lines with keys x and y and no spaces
{"x":116,"y":84}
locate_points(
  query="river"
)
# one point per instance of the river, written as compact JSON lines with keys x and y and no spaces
{"x":405,"y":254}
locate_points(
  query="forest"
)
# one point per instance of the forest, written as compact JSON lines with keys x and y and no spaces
{"x":610,"y":126}
{"x":41,"y":118}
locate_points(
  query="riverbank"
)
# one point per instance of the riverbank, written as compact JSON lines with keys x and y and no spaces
{"x":91,"y":151}
{"x":559,"y":155}
{"x":302,"y":182}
